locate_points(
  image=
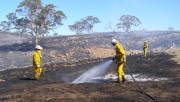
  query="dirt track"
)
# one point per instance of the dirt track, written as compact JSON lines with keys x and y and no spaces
{"x":56,"y":86}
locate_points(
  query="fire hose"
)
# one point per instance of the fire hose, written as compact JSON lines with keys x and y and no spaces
{"x":145,"y":93}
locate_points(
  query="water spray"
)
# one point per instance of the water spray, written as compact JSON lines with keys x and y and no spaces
{"x":93,"y":72}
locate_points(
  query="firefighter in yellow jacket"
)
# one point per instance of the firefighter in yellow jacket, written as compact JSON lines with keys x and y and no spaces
{"x":121,"y":58}
{"x":37,"y":63}
{"x":145,"y":48}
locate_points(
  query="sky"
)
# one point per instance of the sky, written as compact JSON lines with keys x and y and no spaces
{"x":153,"y":14}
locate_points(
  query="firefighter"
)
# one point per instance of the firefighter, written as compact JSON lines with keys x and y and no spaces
{"x":145,"y":48}
{"x":121,"y":58}
{"x":37,"y":63}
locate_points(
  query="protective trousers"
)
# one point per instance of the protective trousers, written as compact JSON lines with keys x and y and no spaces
{"x":145,"y":52}
{"x":37,"y":73}
{"x":120,"y":71}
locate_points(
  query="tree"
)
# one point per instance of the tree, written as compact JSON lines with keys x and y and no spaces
{"x":126,"y":21}
{"x":110,"y":27}
{"x":5,"y":26}
{"x":31,"y":17}
{"x":171,"y":28}
{"x":85,"y":25}
{"x":19,"y":24}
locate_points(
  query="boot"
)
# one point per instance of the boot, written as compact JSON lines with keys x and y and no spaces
{"x":118,"y":81}
{"x":123,"y":79}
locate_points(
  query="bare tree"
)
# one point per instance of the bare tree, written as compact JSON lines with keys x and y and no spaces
{"x":110,"y":27}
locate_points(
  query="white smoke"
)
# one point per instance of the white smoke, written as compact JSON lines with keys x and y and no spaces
{"x":137,"y":77}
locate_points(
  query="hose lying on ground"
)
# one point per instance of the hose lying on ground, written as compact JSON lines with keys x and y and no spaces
{"x":140,"y":87}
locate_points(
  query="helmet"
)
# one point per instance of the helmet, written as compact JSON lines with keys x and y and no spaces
{"x":114,"y":41}
{"x":145,"y":41}
{"x":38,"y":47}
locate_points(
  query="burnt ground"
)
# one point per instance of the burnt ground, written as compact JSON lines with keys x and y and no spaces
{"x":17,"y":85}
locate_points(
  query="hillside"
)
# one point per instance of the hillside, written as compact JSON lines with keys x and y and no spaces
{"x":16,"y":51}
{"x":65,"y":58}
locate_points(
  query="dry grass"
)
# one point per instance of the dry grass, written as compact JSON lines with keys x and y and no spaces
{"x":176,"y":52}
{"x":101,"y":52}
{"x":104,"y":53}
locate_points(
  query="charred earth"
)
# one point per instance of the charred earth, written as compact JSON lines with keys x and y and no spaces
{"x":66,"y":58}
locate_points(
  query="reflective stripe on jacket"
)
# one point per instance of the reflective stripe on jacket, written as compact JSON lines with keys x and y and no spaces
{"x":37,"y":58}
{"x":145,"y":46}
{"x":120,"y":53}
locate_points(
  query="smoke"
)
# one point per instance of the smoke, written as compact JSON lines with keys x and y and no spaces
{"x":93,"y":72}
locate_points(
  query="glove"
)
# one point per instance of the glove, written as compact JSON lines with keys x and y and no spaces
{"x":38,"y":66}
{"x":124,"y":60}
{"x":113,"y":58}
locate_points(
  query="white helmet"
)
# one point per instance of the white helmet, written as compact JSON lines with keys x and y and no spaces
{"x":114,"y":41}
{"x":38,"y":47}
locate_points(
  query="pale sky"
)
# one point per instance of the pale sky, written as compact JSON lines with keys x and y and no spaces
{"x":154,"y":14}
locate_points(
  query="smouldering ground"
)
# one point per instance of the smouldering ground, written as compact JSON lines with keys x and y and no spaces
{"x":55,"y":85}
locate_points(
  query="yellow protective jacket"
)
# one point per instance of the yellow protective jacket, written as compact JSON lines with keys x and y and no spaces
{"x":120,"y":53}
{"x":37,"y":59}
{"x":145,"y":46}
